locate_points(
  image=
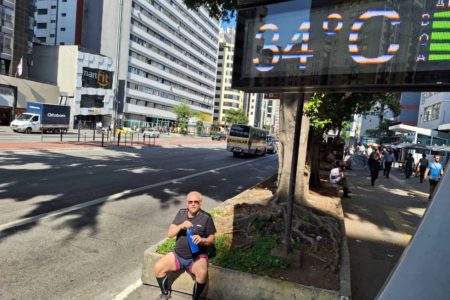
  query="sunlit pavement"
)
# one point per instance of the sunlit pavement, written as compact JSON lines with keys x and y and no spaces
{"x":380,"y":221}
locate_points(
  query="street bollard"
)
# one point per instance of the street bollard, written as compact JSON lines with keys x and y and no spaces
{"x":93,"y":136}
{"x":118,"y":140}
{"x":79,"y":133}
{"x":126,"y":133}
{"x":103,"y":137}
{"x":85,"y":138}
{"x":61,"y":136}
{"x":144,"y":139}
{"x":132,"y":135}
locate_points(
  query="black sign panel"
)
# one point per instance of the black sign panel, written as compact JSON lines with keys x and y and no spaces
{"x":96,"y":78}
{"x":343,"y":46}
{"x":92,"y":101}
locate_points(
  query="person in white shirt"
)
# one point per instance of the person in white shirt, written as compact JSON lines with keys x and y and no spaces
{"x":337,"y":177}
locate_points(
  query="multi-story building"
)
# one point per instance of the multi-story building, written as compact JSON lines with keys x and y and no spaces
{"x":271,"y":113}
{"x":166,"y":55}
{"x":252,"y":106}
{"x":16,"y":37}
{"x":226,"y":98}
{"x":85,"y":81}
{"x":409,"y":105}
{"x":16,"y":42}
{"x":434,"y":111}
{"x":58,"y":22}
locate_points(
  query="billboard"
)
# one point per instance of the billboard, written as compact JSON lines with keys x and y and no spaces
{"x":342,"y":46}
{"x":96,"y":78}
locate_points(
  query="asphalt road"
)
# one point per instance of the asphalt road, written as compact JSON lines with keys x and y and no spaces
{"x":74,"y":224}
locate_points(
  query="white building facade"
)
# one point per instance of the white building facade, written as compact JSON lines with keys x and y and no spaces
{"x":167,"y":55}
{"x":56,"y":21}
{"x":434,"y":111}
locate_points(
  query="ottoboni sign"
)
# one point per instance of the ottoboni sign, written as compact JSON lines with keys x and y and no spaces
{"x":342,"y":45}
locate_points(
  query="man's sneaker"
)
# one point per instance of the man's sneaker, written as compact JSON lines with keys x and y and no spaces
{"x":164,"y":297}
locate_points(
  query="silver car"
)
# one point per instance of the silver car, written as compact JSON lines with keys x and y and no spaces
{"x":154,"y":133}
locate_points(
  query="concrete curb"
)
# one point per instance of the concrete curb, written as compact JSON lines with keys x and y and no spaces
{"x":222,"y":283}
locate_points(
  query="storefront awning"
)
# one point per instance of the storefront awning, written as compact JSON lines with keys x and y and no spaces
{"x":402,"y":128}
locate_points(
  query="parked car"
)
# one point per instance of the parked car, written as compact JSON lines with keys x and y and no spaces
{"x":219,"y":137}
{"x":151,"y":133}
{"x":272,"y":145}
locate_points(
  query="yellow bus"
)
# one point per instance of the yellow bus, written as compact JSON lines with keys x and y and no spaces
{"x":244,"y":139}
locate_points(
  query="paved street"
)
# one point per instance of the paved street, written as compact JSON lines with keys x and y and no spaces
{"x":380,"y":221}
{"x":74,"y":224}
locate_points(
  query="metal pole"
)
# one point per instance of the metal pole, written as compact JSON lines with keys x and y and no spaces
{"x":291,"y":198}
{"x":61,"y":135}
{"x":118,"y":140}
{"x":93,"y":136}
{"x":103,"y":138}
{"x":79,"y":132}
{"x":132,"y":134}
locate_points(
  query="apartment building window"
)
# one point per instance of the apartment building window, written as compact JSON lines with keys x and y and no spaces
{"x":41,"y":39}
{"x":52,"y":21}
{"x":432,"y":112}
{"x":42,"y":11}
{"x":53,"y":7}
{"x":63,"y":14}
{"x":41,"y":25}
{"x":63,"y":28}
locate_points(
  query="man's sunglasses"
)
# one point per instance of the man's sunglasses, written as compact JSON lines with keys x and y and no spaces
{"x":195,"y":201}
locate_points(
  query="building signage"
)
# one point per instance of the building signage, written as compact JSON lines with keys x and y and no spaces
{"x":343,"y":45}
{"x":92,"y":101}
{"x":96,"y":78}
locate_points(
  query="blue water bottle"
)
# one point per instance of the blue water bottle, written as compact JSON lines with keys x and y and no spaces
{"x":192,"y":245}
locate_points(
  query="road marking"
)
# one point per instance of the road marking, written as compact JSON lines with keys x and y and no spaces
{"x":128,"y":290}
{"x":117,"y":196}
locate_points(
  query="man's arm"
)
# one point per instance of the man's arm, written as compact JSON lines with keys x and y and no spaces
{"x":210,"y":240}
{"x":426,"y":173}
{"x":175,"y":229}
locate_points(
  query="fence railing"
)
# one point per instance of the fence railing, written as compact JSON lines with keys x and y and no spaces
{"x":101,"y":138}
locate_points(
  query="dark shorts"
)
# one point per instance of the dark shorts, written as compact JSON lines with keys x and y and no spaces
{"x":186,"y":264}
{"x":434,"y":182}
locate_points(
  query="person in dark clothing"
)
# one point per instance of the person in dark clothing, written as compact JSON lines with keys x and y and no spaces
{"x":423,"y":165}
{"x":202,"y":226}
{"x":374,"y":166}
{"x":409,"y":165}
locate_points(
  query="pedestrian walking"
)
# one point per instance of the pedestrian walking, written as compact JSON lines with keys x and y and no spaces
{"x":434,"y":171}
{"x":374,"y":166}
{"x":409,"y":165}
{"x":388,"y":158}
{"x":423,"y":165}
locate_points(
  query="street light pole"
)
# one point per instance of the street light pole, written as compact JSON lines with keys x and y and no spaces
{"x":114,"y":120}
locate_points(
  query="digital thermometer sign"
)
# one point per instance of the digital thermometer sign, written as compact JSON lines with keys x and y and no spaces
{"x":343,"y":45}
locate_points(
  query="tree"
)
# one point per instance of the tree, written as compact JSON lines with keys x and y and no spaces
{"x":234,"y":116}
{"x":332,"y":112}
{"x":184,"y":112}
{"x":219,"y":9}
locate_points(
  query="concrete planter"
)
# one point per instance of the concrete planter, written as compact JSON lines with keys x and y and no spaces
{"x":231,"y":284}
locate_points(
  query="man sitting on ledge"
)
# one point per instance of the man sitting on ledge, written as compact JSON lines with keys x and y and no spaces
{"x":337,"y":177}
{"x":203,"y":231}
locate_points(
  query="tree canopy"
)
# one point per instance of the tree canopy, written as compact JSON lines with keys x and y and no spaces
{"x":219,"y":9}
{"x":234,"y":116}
{"x":332,"y":111}
{"x":184,"y":113}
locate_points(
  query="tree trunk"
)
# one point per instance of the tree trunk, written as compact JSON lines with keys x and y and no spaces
{"x":314,"y":146}
{"x":288,"y":105}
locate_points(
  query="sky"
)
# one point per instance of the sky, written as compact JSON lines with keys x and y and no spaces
{"x":228,"y":24}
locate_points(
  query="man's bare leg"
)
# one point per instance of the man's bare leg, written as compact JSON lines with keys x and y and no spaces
{"x":166,"y":264}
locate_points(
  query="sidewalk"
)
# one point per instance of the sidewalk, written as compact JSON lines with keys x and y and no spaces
{"x":380,"y":222}
{"x":147,"y":292}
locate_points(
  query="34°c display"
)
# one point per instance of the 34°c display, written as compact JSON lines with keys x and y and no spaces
{"x":343,"y":45}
